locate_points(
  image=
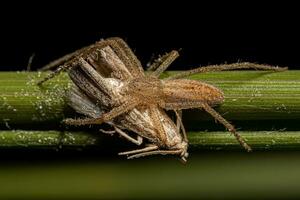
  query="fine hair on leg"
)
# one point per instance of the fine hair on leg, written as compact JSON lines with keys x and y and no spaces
{"x":126,"y":56}
{"x":225,"y":67}
{"x":163,"y":63}
{"x":53,"y":74}
{"x":226,"y":124}
{"x":117,"y":44}
{"x":213,"y":113}
{"x":70,"y":56}
{"x":64,"y":62}
{"x":60,"y":60}
{"x":122,"y":44}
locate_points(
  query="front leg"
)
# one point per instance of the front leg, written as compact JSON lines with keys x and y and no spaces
{"x":64,"y":62}
{"x":117,"y":44}
{"x":53,"y":74}
{"x":64,"y":59}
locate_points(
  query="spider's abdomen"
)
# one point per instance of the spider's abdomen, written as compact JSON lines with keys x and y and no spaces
{"x":183,"y":90}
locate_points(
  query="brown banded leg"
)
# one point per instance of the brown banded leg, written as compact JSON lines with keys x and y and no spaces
{"x":180,"y":124}
{"x":162,"y":63}
{"x":125,"y":107}
{"x":226,"y":67}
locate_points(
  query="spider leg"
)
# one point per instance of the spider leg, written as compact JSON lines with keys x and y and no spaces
{"x":226,"y":124}
{"x":115,"y":112}
{"x":213,"y":113}
{"x":225,"y":67}
{"x":53,"y":74}
{"x":61,"y":60}
{"x":64,"y":62}
{"x":158,"y":61}
{"x":134,"y":64}
{"x":161,"y":64}
{"x":117,"y":44}
{"x":29,"y":64}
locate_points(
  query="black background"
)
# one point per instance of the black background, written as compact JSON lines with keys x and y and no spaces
{"x":206,"y":34}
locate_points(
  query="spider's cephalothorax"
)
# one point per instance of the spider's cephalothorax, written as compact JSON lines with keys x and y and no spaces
{"x":110,"y":86}
{"x":148,"y":89}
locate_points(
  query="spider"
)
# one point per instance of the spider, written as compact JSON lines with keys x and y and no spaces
{"x":112,"y":87}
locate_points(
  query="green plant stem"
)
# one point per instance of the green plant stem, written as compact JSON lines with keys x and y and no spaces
{"x":22,"y":102}
{"x":249,"y":96}
{"x":50,"y":138}
{"x":259,"y":140}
